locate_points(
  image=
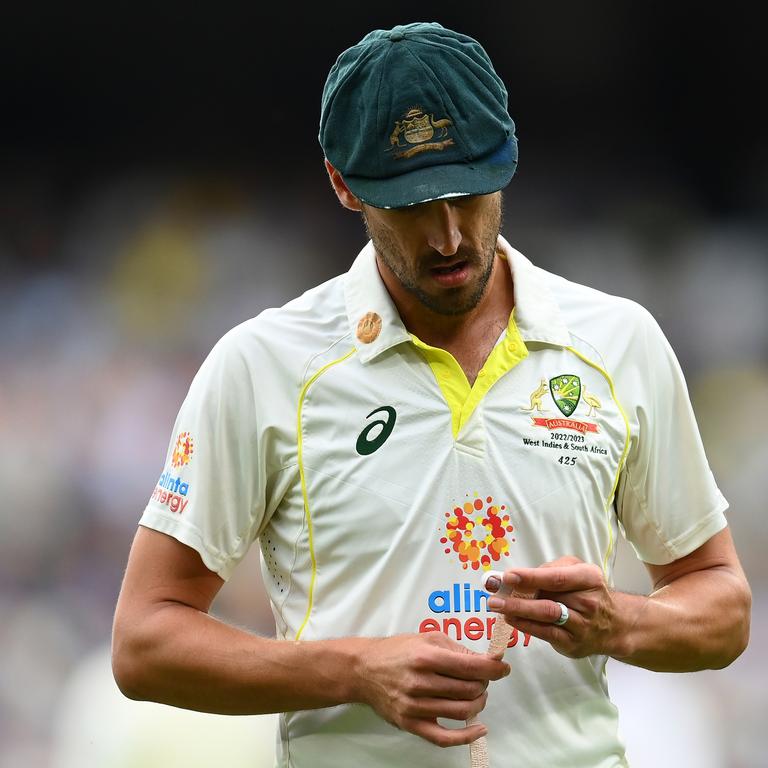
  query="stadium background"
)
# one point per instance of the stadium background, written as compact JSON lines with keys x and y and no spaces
{"x":160,"y":181}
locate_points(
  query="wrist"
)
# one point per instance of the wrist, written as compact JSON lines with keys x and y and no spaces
{"x":351,"y":658}
{"x":623,"y":635}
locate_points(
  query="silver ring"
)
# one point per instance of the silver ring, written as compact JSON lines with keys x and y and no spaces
{"x":564,"y":615}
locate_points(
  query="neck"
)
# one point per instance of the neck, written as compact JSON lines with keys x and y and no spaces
{"x":444,"y":331}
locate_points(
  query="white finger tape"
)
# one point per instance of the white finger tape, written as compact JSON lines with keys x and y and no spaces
{"x":478,"y":750}
{"x":564,"y":614}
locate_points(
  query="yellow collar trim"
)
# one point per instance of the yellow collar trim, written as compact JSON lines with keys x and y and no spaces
{"x":462,"y":399}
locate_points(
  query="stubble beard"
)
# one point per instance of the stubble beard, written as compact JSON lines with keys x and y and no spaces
{"x":451,"y":302}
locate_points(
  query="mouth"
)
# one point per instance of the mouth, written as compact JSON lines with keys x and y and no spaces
{"x":447,"y":270}
{"x":451,"y":275}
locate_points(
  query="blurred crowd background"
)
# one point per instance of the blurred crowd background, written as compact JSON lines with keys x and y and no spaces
{"x":161,"y":181}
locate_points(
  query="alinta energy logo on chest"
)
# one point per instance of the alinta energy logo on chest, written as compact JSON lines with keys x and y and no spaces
{"x":478,"y":531}
{"x":479,"y":534}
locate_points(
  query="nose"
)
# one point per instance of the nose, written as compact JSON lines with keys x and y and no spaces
{"x":442,"y":227}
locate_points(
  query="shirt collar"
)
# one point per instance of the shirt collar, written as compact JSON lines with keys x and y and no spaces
{"x":537,"y":314}
{"x":367,"y":295}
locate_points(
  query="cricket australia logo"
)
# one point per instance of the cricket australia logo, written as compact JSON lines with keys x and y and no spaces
{"x":417,"y":128}
{"x":566,"y":392}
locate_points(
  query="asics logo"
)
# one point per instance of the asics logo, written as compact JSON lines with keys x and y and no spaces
{"x":377,"y":432}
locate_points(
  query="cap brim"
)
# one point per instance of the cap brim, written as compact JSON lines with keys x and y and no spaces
{"x":477,"y":177}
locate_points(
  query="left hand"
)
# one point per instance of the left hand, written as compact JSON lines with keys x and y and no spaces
{"x":593,"y":623}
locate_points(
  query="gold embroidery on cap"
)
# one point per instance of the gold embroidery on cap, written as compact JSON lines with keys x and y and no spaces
{"x":418,"y":128}
{"x":369,"y":327}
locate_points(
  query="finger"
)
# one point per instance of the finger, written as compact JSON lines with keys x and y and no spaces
{"x":445,"y":737}
{"x":439,"y":686}
{"x":493,"y":583}
{"x":584,"y":601}
{"x":566,"y":560}
{"x":468,"y":666}
{"x":454,"y":710}
{"x":558,"y":637}
{"x":560,"y":578}
{"x":515,"y":608}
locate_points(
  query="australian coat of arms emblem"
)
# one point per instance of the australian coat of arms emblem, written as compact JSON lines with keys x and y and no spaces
{"x":414,"y":133}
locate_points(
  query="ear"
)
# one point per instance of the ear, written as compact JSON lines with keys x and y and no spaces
{"x":346,"y":198}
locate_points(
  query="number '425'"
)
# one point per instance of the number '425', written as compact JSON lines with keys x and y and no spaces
{"x":567,"y":460}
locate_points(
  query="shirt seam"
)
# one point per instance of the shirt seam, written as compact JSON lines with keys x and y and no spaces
{"x":306,"y":517}
{"x":175,"y":524}
{"x":313,"y":357}
{"x":295,"y":463}
{"x":641,"y":502}
{"x":616,"y":506}
{"x":594,"y":349}
{"x":279,"y":606}
{"x":678,"y":543}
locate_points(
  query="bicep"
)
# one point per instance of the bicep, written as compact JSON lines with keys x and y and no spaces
{"x":162,"y":570}
{"x":718,"y":552}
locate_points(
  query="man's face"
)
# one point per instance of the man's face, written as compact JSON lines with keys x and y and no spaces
{"x":441,"y":252}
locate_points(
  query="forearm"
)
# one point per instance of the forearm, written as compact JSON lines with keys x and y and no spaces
{"x":698,"y":621}
{"x":180,"y":656}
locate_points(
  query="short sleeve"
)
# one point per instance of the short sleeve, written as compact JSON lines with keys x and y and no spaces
{"x":211,"y":493}
{"x":668,"y":501}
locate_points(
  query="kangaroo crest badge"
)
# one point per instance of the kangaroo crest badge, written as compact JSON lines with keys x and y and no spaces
{"x":417,"y":129}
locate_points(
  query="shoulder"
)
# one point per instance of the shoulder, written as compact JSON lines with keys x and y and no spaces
{"x":614,"y":327}
{"x":623,"y":338}
{"x":280,"y":343}
{"x":587,"y":308}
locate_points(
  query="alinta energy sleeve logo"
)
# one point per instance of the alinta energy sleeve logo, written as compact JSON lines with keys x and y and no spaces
{"x":183,"y":450}
{"x":172,"y":491}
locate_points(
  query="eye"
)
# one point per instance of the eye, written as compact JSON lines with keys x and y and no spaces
{"x":466,"y":200}
{"x":408,"y":211}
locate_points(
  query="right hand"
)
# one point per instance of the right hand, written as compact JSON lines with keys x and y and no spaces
{"x":411,"y":680}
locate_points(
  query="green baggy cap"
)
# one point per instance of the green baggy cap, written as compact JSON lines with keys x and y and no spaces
{"x":417,"y":113}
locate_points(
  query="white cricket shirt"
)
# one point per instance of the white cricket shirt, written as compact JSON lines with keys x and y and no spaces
{"x":380,"y":486}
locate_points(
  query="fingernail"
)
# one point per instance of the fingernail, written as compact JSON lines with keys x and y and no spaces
{"x":492,"y":580}
{"x":495,"y":603}
{"x":507,"y":670}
